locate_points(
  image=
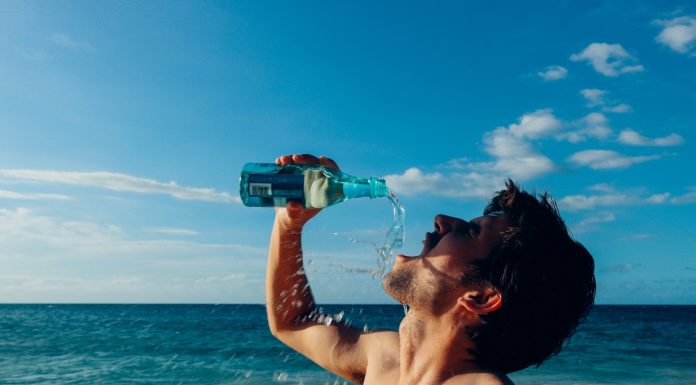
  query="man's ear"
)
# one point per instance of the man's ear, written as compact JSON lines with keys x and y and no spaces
{"x":481,"y":301}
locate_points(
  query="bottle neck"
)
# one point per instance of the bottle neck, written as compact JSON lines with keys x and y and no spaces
{"x":368,"y":187}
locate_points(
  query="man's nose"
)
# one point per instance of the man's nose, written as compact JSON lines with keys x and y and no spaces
{"x":444,"y":223}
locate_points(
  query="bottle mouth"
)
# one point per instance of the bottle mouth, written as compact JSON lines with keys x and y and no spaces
{"x":378,"y":188}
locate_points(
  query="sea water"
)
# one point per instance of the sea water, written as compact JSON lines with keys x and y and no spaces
{"x":231,"y":344}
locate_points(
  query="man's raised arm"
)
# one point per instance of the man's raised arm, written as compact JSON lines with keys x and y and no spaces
{"x":289,"y":301}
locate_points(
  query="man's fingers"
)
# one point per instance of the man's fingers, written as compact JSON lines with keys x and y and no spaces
{"x":328,"y":162}
{"x":285,"y":159}
{"x":305,"y":159}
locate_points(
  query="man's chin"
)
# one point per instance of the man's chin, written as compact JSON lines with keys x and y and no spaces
{"x":399,"y":284}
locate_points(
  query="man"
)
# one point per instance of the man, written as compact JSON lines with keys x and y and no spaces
{"x":487,"y":297}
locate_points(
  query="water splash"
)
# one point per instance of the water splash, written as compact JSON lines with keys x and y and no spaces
{"x":392,"y":241}
{"x":395,"y":237}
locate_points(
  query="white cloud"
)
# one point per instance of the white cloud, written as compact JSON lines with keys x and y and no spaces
{"x":603,"y":187}
{"x":636,"y":237}
{"x":659,"y":198}
{"x":679,"y":33}
{"x":586,"y":202}
{"x":535,"y":125}
{"x":605,"y":159}
{"x":553,"y":73}
{"x":65,"y":40}
{"x":633,"y":138}
{"x":594,"y":125}
{"x":621,"y":268}
{"x":218,"y":280}
{"x":594,"y":96}
{"x":460,"y":185}
{"x":611,"y":197}
{"x":689,"y":197}
{"x":120,"y":182}
{"x":590,"y":222}
{"x":5,"y":194}
{"x":608,"y":59}
{"x":46,"y":258}
{"x":172,"y":231}
{"x":598,"y":219}
{"x":413,"y":181}
{"x":620,"y":108}
{"x":513,"y":157}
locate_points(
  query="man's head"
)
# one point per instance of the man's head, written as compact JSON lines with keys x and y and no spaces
{"x":531,"y":282}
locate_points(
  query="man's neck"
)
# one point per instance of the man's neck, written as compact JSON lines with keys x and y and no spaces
{"x":433,"y":349}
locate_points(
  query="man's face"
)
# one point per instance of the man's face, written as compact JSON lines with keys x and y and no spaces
{"x":430,"y":278}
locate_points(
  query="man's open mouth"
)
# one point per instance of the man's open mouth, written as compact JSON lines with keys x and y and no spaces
{"x":429,"y":243}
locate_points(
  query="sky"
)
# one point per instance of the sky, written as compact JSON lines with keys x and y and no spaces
{"x":124,"y":126}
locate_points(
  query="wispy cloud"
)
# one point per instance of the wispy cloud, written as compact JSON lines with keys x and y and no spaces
{"x":21,"y":227}
{"x":172,"y":231}
{"x":586,"y":202}
{"x":633,"y":138}
{"x":552,"y":73}
{"x":608,"y":59}
{"x":636,"y":237}
{"x":220,"y":280}
{"x":688,"y":197}
{"x":678,"y":33}
{"x":65,"y":40}
{"x":5,"y":194}
{"x":513,"y":156}
{"x":594,"y":125}
{"x":597,"y":98}
{"x":621,"y":268}
{"x":90,"y":261}
{"x":620,"y":108}
{"x":606,"y":159}
{"x":590,"y":222}
{"x":120,"y":182}
{"x":36,"y":54}
{"x":610,"y":197}
{"x":535,"y":125}
{"x":594,"y":96}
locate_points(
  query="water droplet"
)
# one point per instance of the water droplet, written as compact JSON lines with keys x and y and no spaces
{"x":280,"y":377}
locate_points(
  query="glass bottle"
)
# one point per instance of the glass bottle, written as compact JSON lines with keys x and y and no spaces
{"x":313,"y":185}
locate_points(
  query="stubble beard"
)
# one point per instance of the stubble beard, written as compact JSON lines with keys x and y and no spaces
{"x":401,"y":284}
{"x":418,"y":291}
{"x":407,"y":287}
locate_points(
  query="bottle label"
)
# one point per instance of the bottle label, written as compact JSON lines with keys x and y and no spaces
{"x":276,"y":185}
{"x":260,"y":189}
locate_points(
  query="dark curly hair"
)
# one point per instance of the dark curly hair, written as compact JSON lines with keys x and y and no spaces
{"x":546,"y":280}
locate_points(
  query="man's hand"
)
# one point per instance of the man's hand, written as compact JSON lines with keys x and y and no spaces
{"x":294,"y":216}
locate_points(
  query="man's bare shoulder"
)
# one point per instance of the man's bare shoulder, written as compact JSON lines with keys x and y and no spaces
{"x":381,"y":341}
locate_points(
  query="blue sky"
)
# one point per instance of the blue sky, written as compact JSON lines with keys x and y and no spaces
{"x":124,"y":125}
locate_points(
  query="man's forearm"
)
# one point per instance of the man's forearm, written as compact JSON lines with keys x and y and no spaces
{"x":288,"y":296}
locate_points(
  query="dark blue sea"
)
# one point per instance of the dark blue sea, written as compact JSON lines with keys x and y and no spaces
{"x":230,"y":344}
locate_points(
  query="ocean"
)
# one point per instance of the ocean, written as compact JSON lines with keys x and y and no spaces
{"x":230,"y":344}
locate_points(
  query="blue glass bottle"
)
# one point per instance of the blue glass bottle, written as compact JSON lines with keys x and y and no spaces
{"x":313,"y":185}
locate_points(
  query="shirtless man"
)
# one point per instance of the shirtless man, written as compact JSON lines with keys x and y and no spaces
{"x":487,"y":297}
